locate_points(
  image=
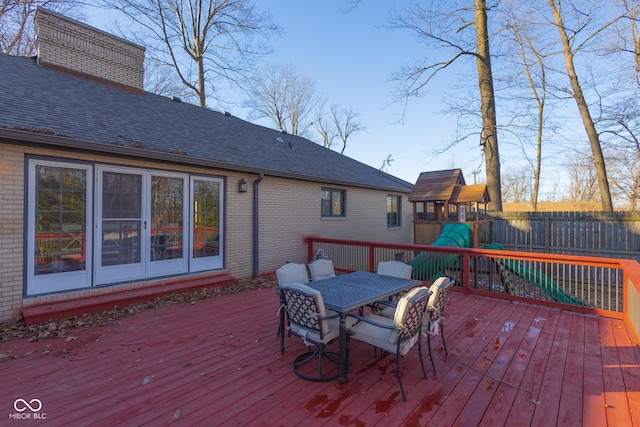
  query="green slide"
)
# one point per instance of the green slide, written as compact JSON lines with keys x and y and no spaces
{"x":539,"y":279}
{"x":427,"y":266}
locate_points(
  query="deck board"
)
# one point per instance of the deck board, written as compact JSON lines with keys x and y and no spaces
{"x":217,"y":362}
{"x":570,"y":408}
{"x":593,"y":403}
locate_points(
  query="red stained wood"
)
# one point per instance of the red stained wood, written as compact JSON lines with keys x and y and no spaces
{"x":62,"y":309}
{"x":217,"y":362}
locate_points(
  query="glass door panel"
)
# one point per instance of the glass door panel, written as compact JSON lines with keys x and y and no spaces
{"x":58,"y":215}
{"x":206,"y":242}
{"x":167,"y":238}
{"x":120,"y":227}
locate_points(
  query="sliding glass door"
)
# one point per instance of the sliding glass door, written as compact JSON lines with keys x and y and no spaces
{"x":167,"y":237}
{"x":206,"y":236}
{"x":141,"y":224}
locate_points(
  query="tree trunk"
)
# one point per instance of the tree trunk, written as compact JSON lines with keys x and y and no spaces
{"x":202,"y":96}
{"x":589,"y":126}
{"x":488,"y":108}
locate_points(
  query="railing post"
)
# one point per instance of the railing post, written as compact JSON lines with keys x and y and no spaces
{"x":371,"y":259}
{"x":466,"y":267}
{"x":310,"y":255}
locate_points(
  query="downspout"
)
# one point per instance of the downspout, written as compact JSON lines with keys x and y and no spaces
{"x":256,"y":222}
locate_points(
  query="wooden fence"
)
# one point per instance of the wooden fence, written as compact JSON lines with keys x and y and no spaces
{"x":601,"y":234}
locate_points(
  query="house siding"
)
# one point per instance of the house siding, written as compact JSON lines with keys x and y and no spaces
{"x":289,"y":211}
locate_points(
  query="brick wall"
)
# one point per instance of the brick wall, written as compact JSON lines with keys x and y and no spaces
{"x":69,"y":44}
{"x":11,"y":232}
{"x":289,"y":211}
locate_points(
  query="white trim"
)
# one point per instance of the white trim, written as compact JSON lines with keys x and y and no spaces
{"x":210,"y":262}
{"x":53,"y":282}
{"x":120,"y":272}
{"x":157,"y":268}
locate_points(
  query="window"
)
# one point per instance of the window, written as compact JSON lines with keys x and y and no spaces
{"x":140,"y":224}
{"x":393,"y":211}
{"x":332,"y":202}
{"x":58,"y":220}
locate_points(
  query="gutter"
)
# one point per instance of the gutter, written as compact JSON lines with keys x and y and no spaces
{"x":256,"y":226}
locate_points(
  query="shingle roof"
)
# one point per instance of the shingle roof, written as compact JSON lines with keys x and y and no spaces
{"x":436,"y":186}
{"x":39,"y":104}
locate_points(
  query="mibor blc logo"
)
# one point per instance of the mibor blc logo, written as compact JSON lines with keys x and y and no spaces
{"x":28,"y":410}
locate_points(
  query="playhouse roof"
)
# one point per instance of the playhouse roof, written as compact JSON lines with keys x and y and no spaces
{"x":447,"y":186}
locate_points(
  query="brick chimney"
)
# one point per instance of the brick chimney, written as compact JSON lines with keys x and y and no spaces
{"x":66,"y":44}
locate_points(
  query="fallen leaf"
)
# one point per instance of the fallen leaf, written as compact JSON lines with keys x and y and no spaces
{"x":532,"y":400}
{"x":176,"y":414}
{"x":71,"y":338}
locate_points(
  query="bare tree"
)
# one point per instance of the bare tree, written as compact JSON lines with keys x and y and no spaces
{"x":17,"y":35}
{"x":516,"y":186}
{"x":626,"y":177}
{"x":288,"y":100}
{"x":570,"y":48}
{"x":632,"y":15}
{"x":583,"y":186}
{"x":280,"y":94}
{"x":533,"y":65}
{"x":446,"y":26}
{"x":204,"y":41}
{"x":337,"y":123}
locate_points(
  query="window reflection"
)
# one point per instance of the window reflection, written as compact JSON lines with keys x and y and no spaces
{"x":206,"y":219}
{"x":167,"y":211}
{"x":121,"y":218}
{"x":60,"y":218}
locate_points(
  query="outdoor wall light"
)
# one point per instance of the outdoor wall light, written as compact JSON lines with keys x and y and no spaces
{"x":242,"y":186}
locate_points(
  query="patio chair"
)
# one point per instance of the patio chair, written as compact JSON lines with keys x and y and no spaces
{"x":289,"y":273}
{"x":397,"y":335}
{"x":394,"y":269}
{"x":308,"y":319}
{"x":321,"y":269}
{"x":434,"y":313}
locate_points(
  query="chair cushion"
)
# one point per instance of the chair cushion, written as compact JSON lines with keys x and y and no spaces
{"x":403,"y":305}
{"x":321,"y":269}
{"x":380,"y":337}
{"x":333,"y":330}
{"x":292,"y":273}
{"x":394,"y":269}
{"x":435,"y":287}
{"x":374,"y":335}
{"x":330,"y":327}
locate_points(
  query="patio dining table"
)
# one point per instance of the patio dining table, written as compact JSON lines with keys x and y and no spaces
{"x":348,"y":292}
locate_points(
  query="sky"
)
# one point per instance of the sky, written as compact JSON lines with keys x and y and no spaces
{"x":351,"y":57}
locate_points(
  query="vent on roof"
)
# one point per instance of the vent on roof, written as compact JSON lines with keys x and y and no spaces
{"x":226,"y":113}
{"x":67,"y":44}
{"x":174,"y":98}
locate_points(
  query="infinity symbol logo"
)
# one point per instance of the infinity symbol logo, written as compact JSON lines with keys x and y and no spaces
{"x":37,"y":405}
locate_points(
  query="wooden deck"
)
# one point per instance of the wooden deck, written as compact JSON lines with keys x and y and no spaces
{"x":217,"y":362}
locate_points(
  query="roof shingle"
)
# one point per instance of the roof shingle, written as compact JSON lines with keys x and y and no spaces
{"x":40,"y":101}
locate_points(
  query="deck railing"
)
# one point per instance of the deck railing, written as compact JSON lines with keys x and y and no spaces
{"x":603,"y":286}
